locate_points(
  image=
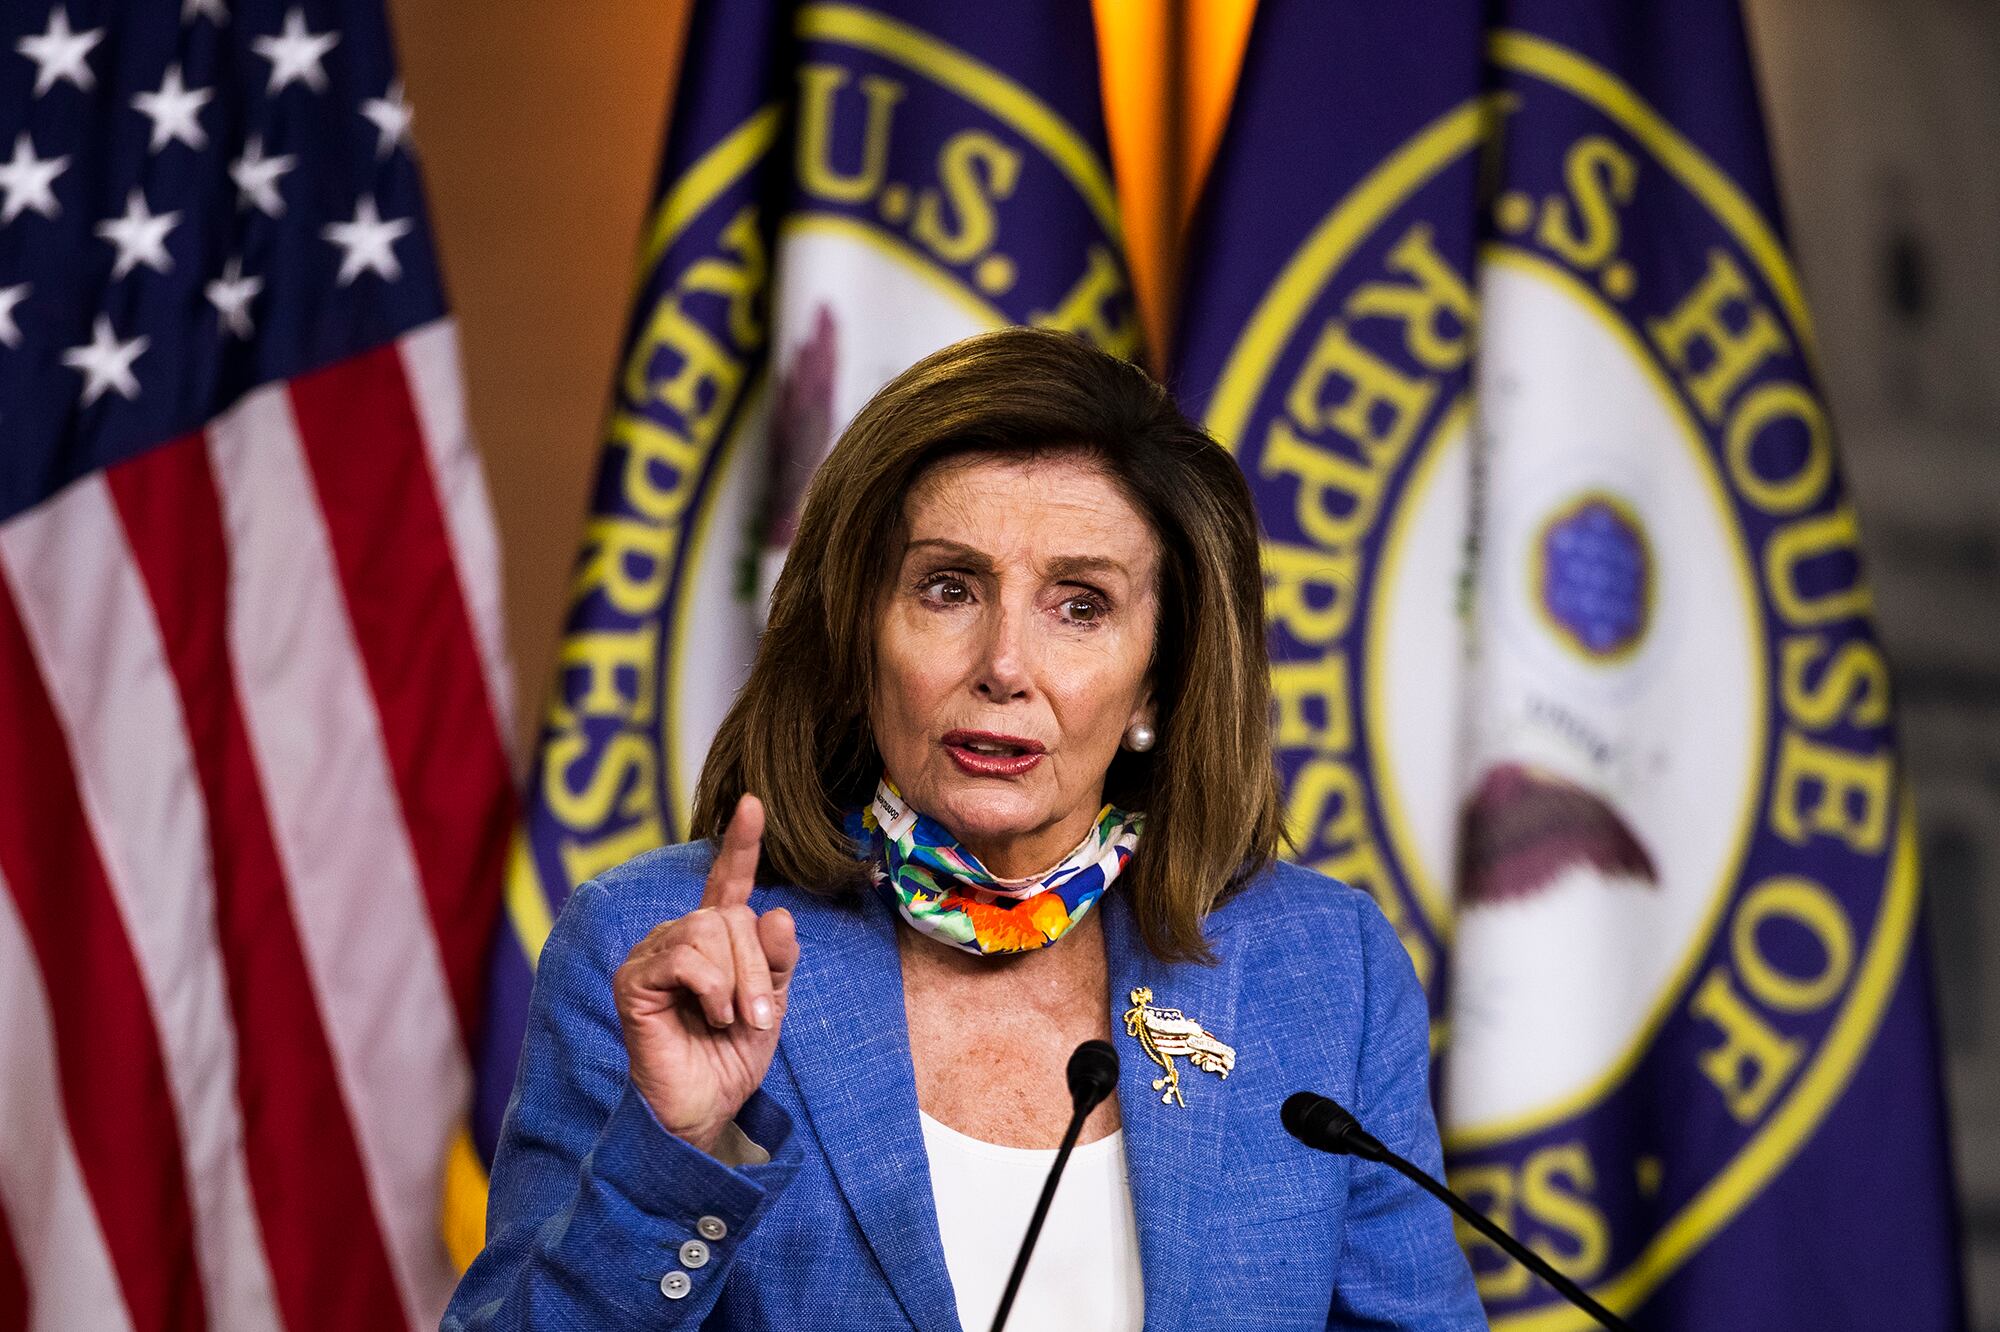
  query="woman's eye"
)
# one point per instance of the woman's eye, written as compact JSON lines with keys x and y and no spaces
{"x":943,"y":588}
{"x":1083,"y":610}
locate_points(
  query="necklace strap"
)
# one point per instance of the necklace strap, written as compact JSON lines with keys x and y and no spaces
{"x":942,"y":889}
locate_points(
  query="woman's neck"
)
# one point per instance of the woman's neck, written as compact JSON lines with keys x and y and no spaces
{"x":990,"y":1037}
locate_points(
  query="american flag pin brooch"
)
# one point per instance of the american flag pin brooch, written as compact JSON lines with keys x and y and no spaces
{"x":1165,"y":1033}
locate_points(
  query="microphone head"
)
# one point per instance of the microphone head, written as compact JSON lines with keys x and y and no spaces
{"x":1305,"y":1116}
{"x":1093,"y":1073}
{"x":1322,"y":1122}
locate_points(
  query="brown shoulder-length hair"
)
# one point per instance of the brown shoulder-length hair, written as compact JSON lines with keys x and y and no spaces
{"x":798,"y":735}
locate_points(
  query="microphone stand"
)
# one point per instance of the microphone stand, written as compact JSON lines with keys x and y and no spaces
{"x":1093,"y":1074}
{"x":1322,"y":1123}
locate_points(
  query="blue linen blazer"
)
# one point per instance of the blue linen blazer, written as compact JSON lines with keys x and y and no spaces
{"x":1239,"y":1225}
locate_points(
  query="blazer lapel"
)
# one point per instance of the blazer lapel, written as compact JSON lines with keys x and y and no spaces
{"x":846,"y":1043}
{"x":1172,"y":1152}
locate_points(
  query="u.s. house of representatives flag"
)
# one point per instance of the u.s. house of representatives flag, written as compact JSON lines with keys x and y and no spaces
{"x":1575,"y":671}
{"x":847,"y":187}
{"x":253,"y":796}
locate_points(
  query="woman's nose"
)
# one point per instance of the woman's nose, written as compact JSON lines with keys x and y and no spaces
{"x":1002,"y":672}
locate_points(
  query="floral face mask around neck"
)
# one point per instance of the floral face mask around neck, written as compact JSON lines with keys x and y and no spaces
{"x":942,"y":890}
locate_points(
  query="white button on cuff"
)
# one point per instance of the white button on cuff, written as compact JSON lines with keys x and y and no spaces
{"x":694,"y":1254}
{"x":675,"y":1285}
{"x":711,"y":1228}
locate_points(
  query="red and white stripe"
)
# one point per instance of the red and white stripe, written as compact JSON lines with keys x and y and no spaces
{"x":431,"y":365}
{"x":253,"y":804}
{"x":41,"y":1179}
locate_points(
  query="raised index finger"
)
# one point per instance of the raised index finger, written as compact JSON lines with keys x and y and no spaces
{"x":734,"y":872}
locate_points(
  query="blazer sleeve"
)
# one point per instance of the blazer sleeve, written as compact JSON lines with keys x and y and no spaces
{"x":592,"y":1201}
{"x":1400,"y":1264}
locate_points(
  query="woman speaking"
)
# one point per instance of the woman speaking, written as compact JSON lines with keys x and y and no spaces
{"x":1000,"y":782}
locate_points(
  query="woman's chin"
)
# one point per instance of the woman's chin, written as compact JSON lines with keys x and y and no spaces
{"x":989,"y":818}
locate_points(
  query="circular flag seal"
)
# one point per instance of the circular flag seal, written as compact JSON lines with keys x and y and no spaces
{"x":1572,"y":662}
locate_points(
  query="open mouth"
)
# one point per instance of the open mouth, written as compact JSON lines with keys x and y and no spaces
{"x":987,"y":754}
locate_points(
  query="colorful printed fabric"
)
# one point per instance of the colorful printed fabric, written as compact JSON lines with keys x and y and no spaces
{"x":943,"y":890}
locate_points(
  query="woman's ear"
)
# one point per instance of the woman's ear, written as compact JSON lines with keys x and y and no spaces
{"x":1147,"y":713}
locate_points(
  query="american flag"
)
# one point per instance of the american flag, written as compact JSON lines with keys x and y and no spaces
{"x":254,"y":797}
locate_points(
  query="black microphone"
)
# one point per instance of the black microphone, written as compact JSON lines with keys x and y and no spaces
{"x":1323,"y":1123}
{"x":1093,"y":1075}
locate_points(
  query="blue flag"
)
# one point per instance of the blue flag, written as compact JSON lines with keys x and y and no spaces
{"x":846,"y":189}
{"x":1574,"y":671}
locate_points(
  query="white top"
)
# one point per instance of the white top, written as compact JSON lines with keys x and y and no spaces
{"x":1085,"y":1272}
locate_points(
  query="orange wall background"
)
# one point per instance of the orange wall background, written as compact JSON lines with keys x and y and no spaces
{"x":539,"y":126}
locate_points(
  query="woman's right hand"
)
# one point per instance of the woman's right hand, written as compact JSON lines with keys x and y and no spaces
{"x":701,"y":998}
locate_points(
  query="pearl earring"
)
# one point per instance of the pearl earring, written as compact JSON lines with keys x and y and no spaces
{"x":1139,"y":737}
